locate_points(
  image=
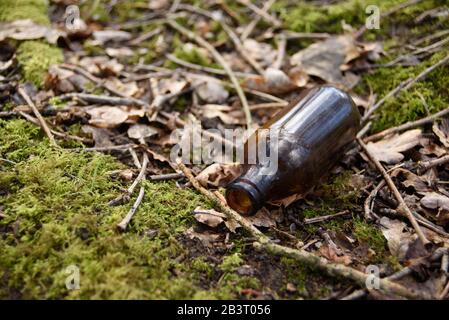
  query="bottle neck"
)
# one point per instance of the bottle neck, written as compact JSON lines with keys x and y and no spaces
{"x":244,"y":196}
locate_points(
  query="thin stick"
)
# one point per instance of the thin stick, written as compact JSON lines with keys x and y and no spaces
{"x":36,"y":112}
{"x":262,"y":13}
{"x":426,"y":165}
{"x":168,"y":176}
{"x":219,"y":58}
{"x":367,"y":205}
{"x":250,"y":27}
{"x":403,"y":86}
{"x":325,"y":218}
{"x":269,"y":105}
{"x":231,"y":34}
{"x":263,"y":243}
{"x":402,"y":208}
{"x":124,"y":223}
{"x":100,"y":99}
{"x":282,"y":44}
{"x":198,"y":67}
{"x":407,"y":126}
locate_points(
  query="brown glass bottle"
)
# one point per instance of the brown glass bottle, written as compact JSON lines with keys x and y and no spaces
{"x":312,"y":135}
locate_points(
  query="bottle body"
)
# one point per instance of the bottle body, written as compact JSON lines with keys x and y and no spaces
{"x":312,"y":134}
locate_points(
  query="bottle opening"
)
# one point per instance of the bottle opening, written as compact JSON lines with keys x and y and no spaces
{"x":239,"y":200}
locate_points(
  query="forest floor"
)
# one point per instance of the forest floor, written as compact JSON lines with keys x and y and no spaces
{"x":70,"y":150}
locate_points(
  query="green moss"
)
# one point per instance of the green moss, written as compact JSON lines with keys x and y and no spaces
{"x":35,"y":58}
{"x":57,"y":215}
{"x":369,"y":234}
{"x":11,"y":10}
{"x":409,"y":105}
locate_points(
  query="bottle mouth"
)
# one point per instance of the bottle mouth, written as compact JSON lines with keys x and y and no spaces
{"x":243,"y":197}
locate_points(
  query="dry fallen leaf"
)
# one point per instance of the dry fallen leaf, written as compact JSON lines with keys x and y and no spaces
{"x":119,"y":52}
{"x":207,"y":237}
{"x":141,"y":131}
{"x":398,"y":239}
{"x":412,"y":180}
{"x":389,"y":150}
{"x":325,"y":59}
{"x":274,"y":81}
{"x":128,"y":89}
{"x":209,"y":217}
{"x":110,"y":117}
{"x":211,"y":91}
{"x":103,"y":36}
{"x":28,"y":30}
{"x":442,"y":131}
{"x":262,"y":218}
{"x":260,"y":52}
{"x":330,"y":254}
{"x":101,"y":66}
{"x":211,"y":111}
{"x":433,"y":200}
{"x":219,"y":175}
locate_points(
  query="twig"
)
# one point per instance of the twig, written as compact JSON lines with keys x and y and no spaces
{"x":367,"y":205}
{"x":124,"y":223}
{"x":305,"y":35}
{"x":282,"y":44}
{"x":397,"y":275}
{"x":426,"y":165}
{"x":62,"y":135}
{"x":325,"y":218}
{"x":402,"y":208}
{"x":168,"y":176}
{"x":8,"y":161}
{"x":128,"y":192}
{"x":198,"y":67}
{"x":263,"y":243}
{"x":407,"y":126}
{"x":100,"y":99}
{"x":219,"y":58}
{"x":144,"y":37}
{"x":36,"y":112}
{"x":101,"y":83}
{"x":269,"y":105}
{"x":262,"y":13}
{"x":250,"y":27}
{"x":403,"y":86}
{"x":231,"y":34}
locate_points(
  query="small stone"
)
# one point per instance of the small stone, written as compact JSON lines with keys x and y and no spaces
{"x":291,"y":287}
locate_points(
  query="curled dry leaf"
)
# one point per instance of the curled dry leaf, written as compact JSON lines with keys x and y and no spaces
{"x":274,"y":81}
{"x":412,"y":180}
{"x":207,"y":238}
{"x":398,"y":239}
{"x":101,"y":136}
{"x":330,"y":254}
{"x":389,"y":150}
{"x":433,"y":200}
{"x":442,"y":131}
{"x":110,"y":117}
{"x":261,"y":52}
{"x":119,"y":52}
{"x":219,"y":175}
{"x":103,"y":36}
{"x":211,"y":111}
{"x":325,"y":59}
{"x":141,"y":131}
{"x":128,"y":89}
{"x":101,"y":66}
{"x":28,"y":30}
{"x":211,"y":91}
{"x":262,"y":218}
{"x":431,"y":148}
{"x":209,"y":217}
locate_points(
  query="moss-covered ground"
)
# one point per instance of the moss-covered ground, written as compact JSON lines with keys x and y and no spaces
{"x":53,"y":202}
